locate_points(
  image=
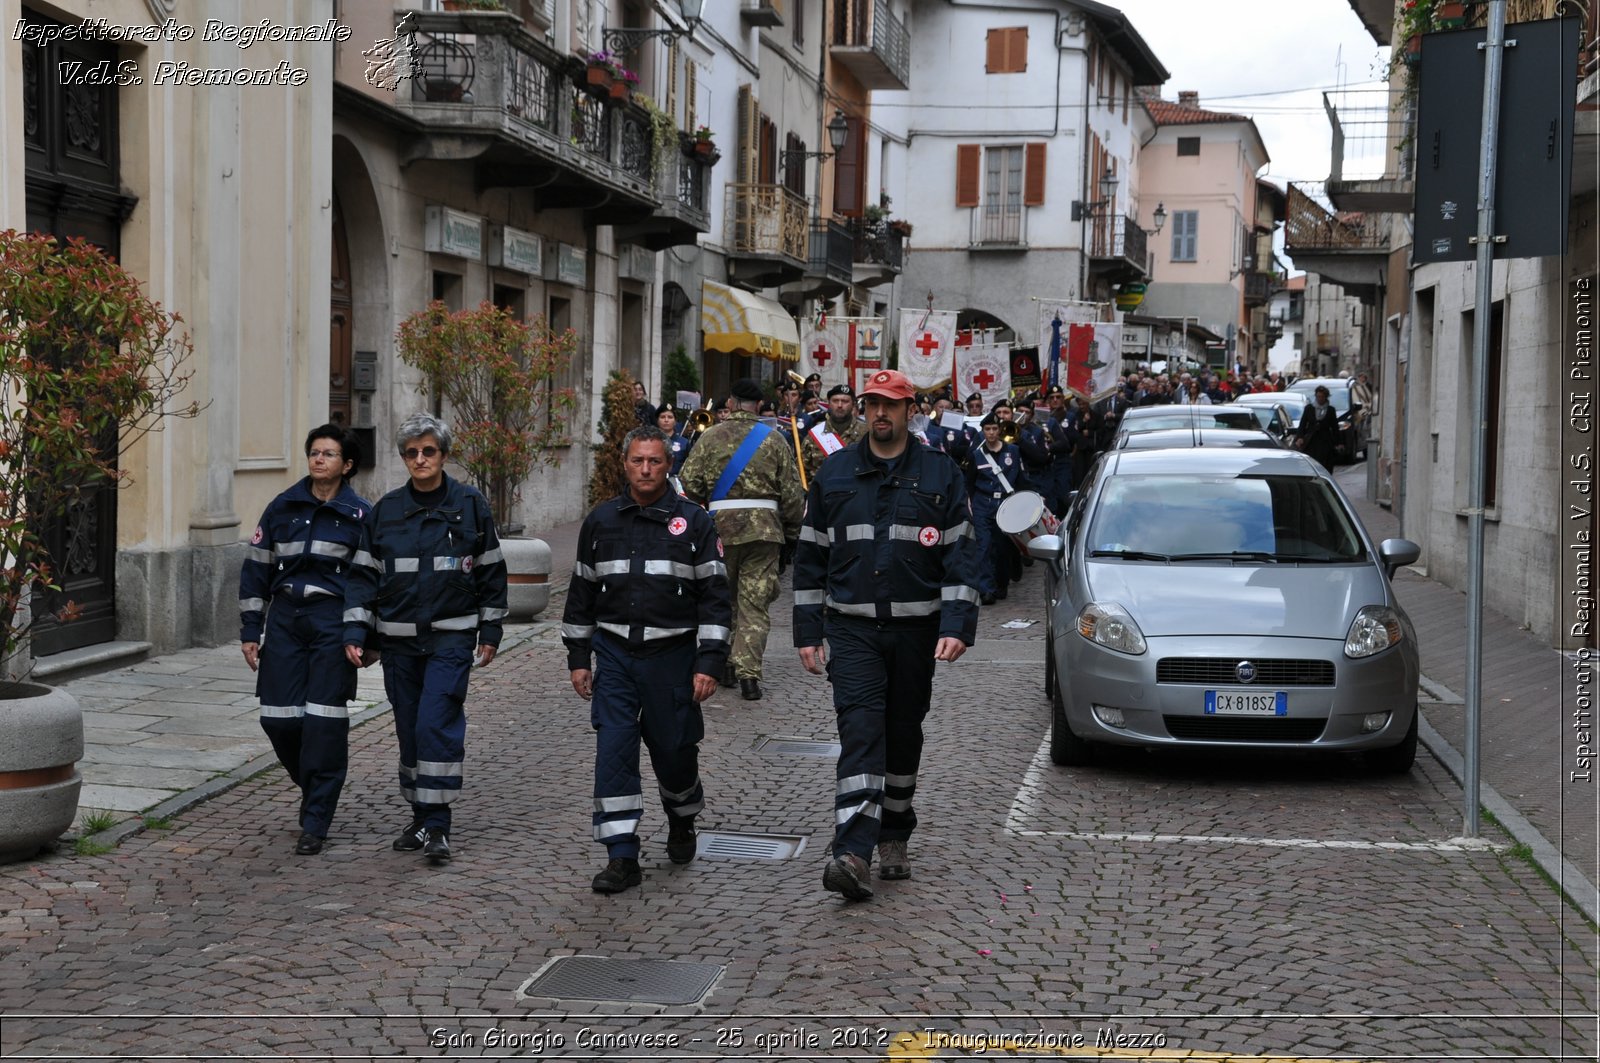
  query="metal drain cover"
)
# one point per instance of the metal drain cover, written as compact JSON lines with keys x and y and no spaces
{"x":726,"y":846}
{"x":626,"y":981}
{"x":797,"y":747}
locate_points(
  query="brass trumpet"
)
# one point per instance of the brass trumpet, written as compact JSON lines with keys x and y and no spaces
{"x":795,"y":378}
{"x":1009,"y":432}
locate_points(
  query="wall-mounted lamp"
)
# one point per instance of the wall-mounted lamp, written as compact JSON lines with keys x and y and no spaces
{"x":838,"y":133}
{"x":1108,"y":193}
{"x":618,"y":41}
{"x":1160,"y":218}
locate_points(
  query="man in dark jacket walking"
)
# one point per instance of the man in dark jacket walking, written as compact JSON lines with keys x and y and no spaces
{"x":649,"y":601}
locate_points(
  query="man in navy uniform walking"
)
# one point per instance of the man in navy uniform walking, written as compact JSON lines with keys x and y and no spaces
{"x":649,"y":604}
{"x":890,"y":604}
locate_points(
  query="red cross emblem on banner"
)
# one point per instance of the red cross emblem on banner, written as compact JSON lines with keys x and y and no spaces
{"x":822,"y":354}
{"x":928,"y":536}
{"x":927,"y":346}
{"x":984,"y":379}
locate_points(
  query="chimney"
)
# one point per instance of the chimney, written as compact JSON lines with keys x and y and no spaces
{"x":1188,"y":98}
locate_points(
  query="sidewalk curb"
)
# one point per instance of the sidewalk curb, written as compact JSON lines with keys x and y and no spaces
{"x":1576,"y":887}
{"x":183,"y":802}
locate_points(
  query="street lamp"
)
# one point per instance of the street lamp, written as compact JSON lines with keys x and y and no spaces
{"x":1160,"y":218}
{"x":620,"y":41}
{"x":1093,"y":208}
{"x":838,"y":133}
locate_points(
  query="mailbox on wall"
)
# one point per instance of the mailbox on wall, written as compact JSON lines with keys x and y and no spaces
{"x":363,"y":384}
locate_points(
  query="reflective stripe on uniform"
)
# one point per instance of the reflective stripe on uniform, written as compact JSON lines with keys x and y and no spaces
{"x":950,"y":535}
{"x":865,"y":808}
{"x":667,"y":796}
{"x":711,"y":632}
{"x":924,"y":608}
{"x":323,"y":548}
{"x":808,"y":597}
{"x":709,"y":569}
{"x":456,"y":623}
{"x":328,"y":712}
{"x":406,"y":564}
{"x":259,"y":554}
{"x":959,"y":594}
{"x":289,"y":549}
{"x":820,"y":536}
{"x":897,"y":804}
{"x":577,"y":631}
{"x":447,"y":564}
{"x":282,"y":712}
{"x":850,"y":609}
{"x":439,"y":769}
{"x":407,"y":631}
{"x":905,"y":533}
{"x":854,"y":532}
{"x":489,"y":557}
{"x":358,"y":616}
{"x":488,"y":614}
{"x":669,"y":568}
{"x":612,"y":568}
{"x":620,"y":630}
{"x":651,"y":633}
{"x":900,"y":780}
{"x":252,"y":605}
{"x":612,"y":828}
{"x":584,"y":572}
{"x":851,"y":783}
{"x":625,"y":803}
{"x":428,"y":795}
{"x":361,"y":557}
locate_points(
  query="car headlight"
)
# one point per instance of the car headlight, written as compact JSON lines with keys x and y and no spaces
{"x":1376,"y":627}
{"x":1111,"y":626}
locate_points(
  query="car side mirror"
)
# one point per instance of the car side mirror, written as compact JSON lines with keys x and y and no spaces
{"x":1397,"y":553}
{"x":1047,"y":548}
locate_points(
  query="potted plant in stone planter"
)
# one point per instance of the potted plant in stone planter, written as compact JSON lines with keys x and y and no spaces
{"x":600,"y":72}
{"x":89,"y":365}
{"x":704,"y":143}
{"x":497,"y":375}
{"x":623,"y":84}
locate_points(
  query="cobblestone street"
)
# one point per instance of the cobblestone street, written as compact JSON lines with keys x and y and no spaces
{"x":1288,"y":907}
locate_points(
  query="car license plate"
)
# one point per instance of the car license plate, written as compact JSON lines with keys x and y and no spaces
{"x":1247,"y":703}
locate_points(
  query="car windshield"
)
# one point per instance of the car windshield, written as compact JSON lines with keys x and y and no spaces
{"x":1191,"y":415}
{"x":1338,"y":397}
{"x":1246,"y":518}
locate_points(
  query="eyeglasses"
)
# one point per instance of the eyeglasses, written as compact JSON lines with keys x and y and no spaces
{"x":331,"y":455}
{"x":412,"y":453}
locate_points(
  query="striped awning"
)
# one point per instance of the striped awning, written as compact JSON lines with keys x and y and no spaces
{"x":735,"y":321}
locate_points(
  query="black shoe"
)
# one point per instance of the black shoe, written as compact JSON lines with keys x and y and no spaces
{"x":999,"y":596}
{"x":437,"y":846}
{"x":618,"y":875}
{"x":728,"y":678}
{"x":848,"y":874}
{"x":681,"y":841}
{"x":750,"y":689}
{"x":987,"y":599}
{"x":308,"y":845}
{"x":411,"y":840}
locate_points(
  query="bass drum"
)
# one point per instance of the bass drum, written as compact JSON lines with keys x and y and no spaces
{"x":1024,"y":516}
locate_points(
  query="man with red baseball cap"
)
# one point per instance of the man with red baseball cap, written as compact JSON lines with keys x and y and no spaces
{"x":890,"y":606}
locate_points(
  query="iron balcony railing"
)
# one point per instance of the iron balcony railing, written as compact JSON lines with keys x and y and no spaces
{"x":1311,"y":224}
{"x":832,"y":250}
{"x":870,"y":25}
{"x":482,"y":72}
{"x":1118,"y":238}
{"x":1257,"y":287}
{"x":878,"y":243}
{"x":767,"y":220}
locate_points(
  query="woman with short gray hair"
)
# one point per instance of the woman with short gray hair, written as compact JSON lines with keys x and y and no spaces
{"x":431,"y":580}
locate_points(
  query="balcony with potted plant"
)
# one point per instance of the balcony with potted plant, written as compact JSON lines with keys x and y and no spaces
{"x":879,"y":245}
{"x":488,"y":92}
{"x":683,"y":178}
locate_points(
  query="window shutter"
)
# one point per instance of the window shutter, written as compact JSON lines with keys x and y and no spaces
{"x":1033,"y":175}
{"x":691,"y":82}
{"x":995,"y":58}
{"x":1017,"y":57}
{"x":850,"y":171}
{"x":749,"y":136}
{"x":672,"y":81}
{"x":767,"y":170}
{"x":969,"y":162}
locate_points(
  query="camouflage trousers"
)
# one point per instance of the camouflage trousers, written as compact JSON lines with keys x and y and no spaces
{"x":753,"y":579}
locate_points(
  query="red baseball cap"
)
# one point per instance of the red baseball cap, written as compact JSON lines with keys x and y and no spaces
{"x":891,"y":384}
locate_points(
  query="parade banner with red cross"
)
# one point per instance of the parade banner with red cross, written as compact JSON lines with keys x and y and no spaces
{"x":984,"y":366}
{"x":927,"y":339}
{"x":823,"y":350}
{"x":863,"y":347}
{"x":1080,"y":347}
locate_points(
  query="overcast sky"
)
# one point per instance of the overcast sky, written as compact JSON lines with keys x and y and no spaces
{"x":1250,"y":56}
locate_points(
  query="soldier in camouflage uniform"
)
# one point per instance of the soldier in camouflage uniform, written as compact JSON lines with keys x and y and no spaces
{"x":758,"y":517}
{"x":835,"y":431}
